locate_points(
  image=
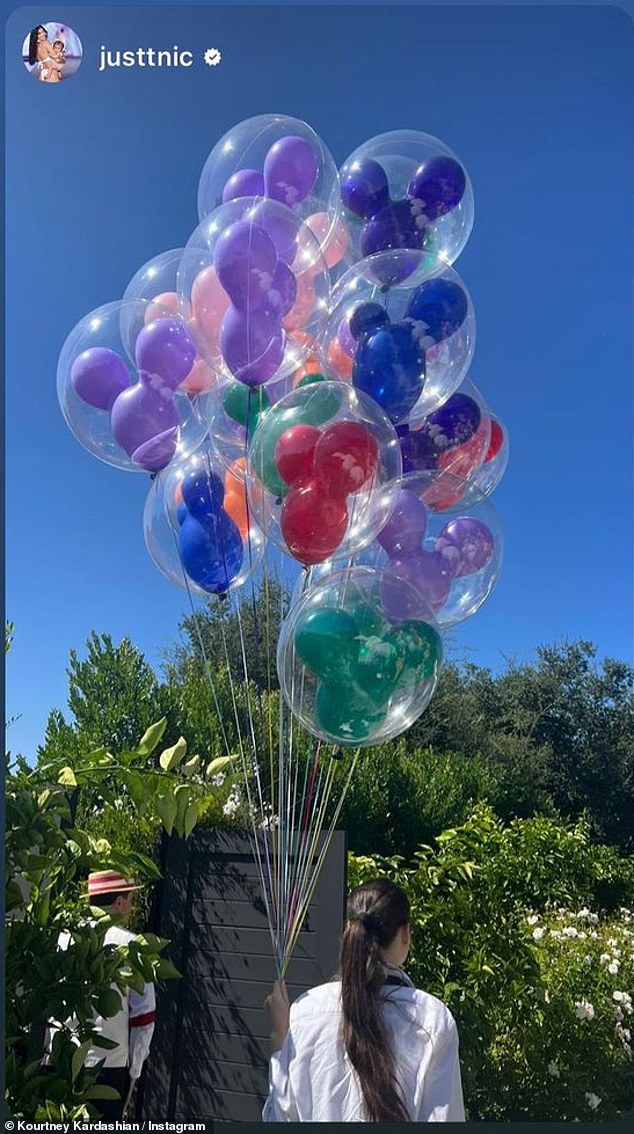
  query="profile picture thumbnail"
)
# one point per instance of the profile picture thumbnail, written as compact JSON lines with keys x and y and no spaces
{"x":52,"y":52}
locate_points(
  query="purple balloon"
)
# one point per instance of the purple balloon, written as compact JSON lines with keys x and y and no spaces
{"x":464,"y":546}
{"x":99,"y":375}
{"x":398,"y":225}
{"x":145,"y":423}
{"x":165,"y":353}
{"x":405,"y":529}
{"x":454,"y":423}
{"x":252,"y":345}
{"x":282,"y":226}
{"x":245,"y":260}
{"x":426,"y":573}
{"x":346,"y":338}
{"x":439,"y":184}
{"x":283,"y":291}
{"x":290,"y":170}
{"x":244,"y":183}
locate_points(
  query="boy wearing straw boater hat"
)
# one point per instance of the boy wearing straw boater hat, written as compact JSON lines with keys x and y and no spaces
{"x":133,"y":1026}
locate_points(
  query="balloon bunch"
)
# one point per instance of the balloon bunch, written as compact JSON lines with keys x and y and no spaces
{"x":296,"y":377}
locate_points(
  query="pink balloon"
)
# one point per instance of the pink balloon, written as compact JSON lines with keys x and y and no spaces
{"x":304,"y":305}
{"x":160,"y":305}
{"x":334,"y":244}
{"x":199,"y":380}
{"x":210,"y":302}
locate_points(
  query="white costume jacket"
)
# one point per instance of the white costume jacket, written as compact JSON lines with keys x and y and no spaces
{"x":312,"y":1080}
{"x":131,"y":1029}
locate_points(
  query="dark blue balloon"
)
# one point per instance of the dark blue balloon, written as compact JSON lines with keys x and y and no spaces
{"x":398,"y":225}
{"x":203,"y":493}
{"x":389,"y":365}
{"x":439,"y":184}
{"x":455,"y":422}
{"x":182,"y":513}
{"x":418,"y":451}
{"x":211,"y":552}
{"x":441,"y":305}
{"x":367,"y":317}
{"x":364,"y":187}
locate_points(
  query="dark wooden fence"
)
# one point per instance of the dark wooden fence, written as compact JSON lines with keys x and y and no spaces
{"x":209,"y":1057}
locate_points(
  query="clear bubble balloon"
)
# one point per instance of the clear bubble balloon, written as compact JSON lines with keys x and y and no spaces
{"x":283,"y":159}
{"x":490,"y":472}
{"x":257,"y":287}
{"x":155,"y":282}
{"x":126,"y":402}
{"x":408,"y":344}
{"x":450,"y":444}
{"x":315,"y":463}
{"x":408,"y":190}
{"x":349,"y":671}
{"x":451,"y":556}
{"x":198,"y":528}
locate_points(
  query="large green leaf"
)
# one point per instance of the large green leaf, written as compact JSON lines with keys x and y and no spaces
{"x":77,"y":1061}
{"x":151,"y":737}
{"x":167,"y":807}
{"x":170,"y":758}
{"x":218,"y":765}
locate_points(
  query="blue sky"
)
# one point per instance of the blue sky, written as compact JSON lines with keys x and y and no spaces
{"x":102,"y":174}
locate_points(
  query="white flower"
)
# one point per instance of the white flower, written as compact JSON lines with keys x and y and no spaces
{"x":556,"y":933}
{"x":605,"y":958}
{"x":585,"y":912}
{"x":546,"y":997}
{"x":594,"y":934}
{"x":232,"y":804}
{"x":614,"y":967}
{"x":612,"y":942}
{"x":538,"y":933}
{"x":219,"y":780}
{"x":587,"y":960}
{"x":592,"y":1100}
{"x":569,"y":931}
{"x":532,"y":919}
{"x":553,"y":1070}
{"x":623,"y":1033}
{"x":582,"y":935}
{"x":584,"y":1010}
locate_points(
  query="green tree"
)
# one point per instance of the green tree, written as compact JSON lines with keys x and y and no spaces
{"x":113,"y":692}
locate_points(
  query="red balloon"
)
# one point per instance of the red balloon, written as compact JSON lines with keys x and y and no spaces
{"x":313,"y":523}
{"x":497,"y":440}
{"x":346,"y":456}
{"x":294,"y":453}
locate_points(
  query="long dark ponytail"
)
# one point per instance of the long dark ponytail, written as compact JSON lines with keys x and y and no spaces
{"x":375,"y":913}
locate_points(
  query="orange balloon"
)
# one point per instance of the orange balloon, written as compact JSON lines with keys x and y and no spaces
{"x":339,"y":361}
{"x":235,"y":474}
{"x":200,"y":378}
{"x":304,"y":305}
{"x":178,"y":494}
{"x":235,"y":505}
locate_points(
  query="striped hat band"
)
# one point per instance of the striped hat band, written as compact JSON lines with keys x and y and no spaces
{"x":108,"y":882}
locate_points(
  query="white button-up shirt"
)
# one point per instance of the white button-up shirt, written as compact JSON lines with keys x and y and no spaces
{"x":312,"y":1080}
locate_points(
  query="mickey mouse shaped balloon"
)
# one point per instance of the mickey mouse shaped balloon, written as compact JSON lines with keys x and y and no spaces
{"x":407,"y":190}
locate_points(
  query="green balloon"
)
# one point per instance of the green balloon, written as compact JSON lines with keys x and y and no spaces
{"x":326,"y":642}
{"x":269,"y":432}
{"x":379,"y":668}
{"x":420,"y":647}
{"x":245,"y":405}
{"x":321,"y":405}
{"x":370,"y":622}
{"x":346,"y":714}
